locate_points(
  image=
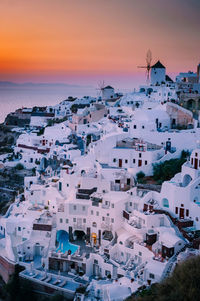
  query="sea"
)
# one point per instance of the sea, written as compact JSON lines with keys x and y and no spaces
{"x":14,"y":96}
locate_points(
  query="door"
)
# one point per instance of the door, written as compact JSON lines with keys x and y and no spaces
{"x":181,"y":213}
{"x":37,"y":250}
{"x":107,"y":221}
{"x":88,"y":234}
{"x":79,"y":222}
{"x":120,"y":162}
{"x":99,"y":237}
{"x":139,"y":163}
{"x":196,"y":163}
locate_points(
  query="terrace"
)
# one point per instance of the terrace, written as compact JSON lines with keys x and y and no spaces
{"x":54,"y":282}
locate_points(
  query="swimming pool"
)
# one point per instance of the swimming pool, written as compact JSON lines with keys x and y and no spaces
{"x":63,"y":242}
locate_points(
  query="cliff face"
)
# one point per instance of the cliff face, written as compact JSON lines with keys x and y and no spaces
{"x":7,"y":139}
{"x":18,"y":119}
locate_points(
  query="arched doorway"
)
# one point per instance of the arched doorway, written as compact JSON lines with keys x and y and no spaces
{"x":165,"y":203}
{"x":79,"y":235}
{"x":190,"y":104}
{"x":107,"y":235}
{"x":186,"y":180}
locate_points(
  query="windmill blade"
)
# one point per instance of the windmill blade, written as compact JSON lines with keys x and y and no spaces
{"x":101,"y":85}
{"x":142,"y":67}
{"x":149,"y":57}
{"x":148,"y":66}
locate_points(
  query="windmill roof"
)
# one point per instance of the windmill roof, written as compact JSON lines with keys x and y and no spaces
{"x":158,"y":65}
{"x":168,"y":79}
{"x":108,"y":87}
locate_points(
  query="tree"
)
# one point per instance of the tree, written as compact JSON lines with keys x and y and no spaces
{"x":140,"y":177}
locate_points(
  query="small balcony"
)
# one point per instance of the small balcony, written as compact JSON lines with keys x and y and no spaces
{"x":107,"y":227}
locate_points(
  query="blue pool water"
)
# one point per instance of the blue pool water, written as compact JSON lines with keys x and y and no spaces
{"x":63,"y":242}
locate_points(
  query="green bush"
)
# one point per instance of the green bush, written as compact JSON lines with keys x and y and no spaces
{"x":140,"y":177}
{"x":166,"y":170}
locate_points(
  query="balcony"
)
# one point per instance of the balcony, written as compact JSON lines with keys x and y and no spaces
{"x":83,"y":196}
{"x":79,"y":227}
{"x":85,"y":193}
{"x":107,"y":227}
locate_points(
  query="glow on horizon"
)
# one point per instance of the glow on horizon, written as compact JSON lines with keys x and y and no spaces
{"x":86,"y":40}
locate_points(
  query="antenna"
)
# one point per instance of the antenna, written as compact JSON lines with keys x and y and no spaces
{"x":148,"y":64}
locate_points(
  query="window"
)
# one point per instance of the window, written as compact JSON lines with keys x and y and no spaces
{"x":176,"y":210}
{"x":182,"y":205}
{"x":117,"y":181}
{"x":67,"y":185}
{"x":94,"y":224}
{"x":196,"y":154}
{"x":143,"y":127}
{"x":112,"y":220}
{"x":97,"y":213}
{"x":74,"y":207}
{"x":145,"y":162}
{"x":83,"y":208}
{"x":134,"y":161}
{"x":126,"y":161}
{"x":114,"y":160}
{"x":107,"y":272}
{"x":92,"y":212}
{"x":84,"y":220}
{"x":61,"y":220}
{"x":130,"y":204}
{"x":151,"y":276}
{"x":140,"y":155}
{"x":135,"y":126}
{"x":67,"y":221}
{"x":108,"y":214}
{"x":74,"y":219}
{"x":103,"y":218}
{"x":60,"y":186}
{"x":197,"y":219}
{"x":95,"y":261}
{"x":187,"y":212}
{"x":165,"y":203}
{"x":112,"y":205}
{"x":19,"y":228}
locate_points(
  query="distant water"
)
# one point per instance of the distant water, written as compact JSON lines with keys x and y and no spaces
{"x":14,"y":96}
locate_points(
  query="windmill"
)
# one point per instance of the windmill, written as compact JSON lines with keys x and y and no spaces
{"x":148,"y":64}
{"x":101,"y":85}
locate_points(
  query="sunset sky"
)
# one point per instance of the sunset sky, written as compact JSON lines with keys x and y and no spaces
{"x":83,"y":41}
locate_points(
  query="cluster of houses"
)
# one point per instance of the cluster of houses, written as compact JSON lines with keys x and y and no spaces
{"x":83,"y":227}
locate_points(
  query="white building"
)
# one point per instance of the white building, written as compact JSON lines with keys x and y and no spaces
{"x":108,"y":92}
{"x":158,"y":73}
